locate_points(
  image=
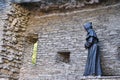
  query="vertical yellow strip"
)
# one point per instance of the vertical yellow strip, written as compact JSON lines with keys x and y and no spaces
{"x":34,"y":56}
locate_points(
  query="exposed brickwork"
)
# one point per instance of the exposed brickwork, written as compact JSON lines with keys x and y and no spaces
{"x":15,"y":21}
{"x":65,"y":32}
{"x":61,"y":32}
{"x":3,"y":66}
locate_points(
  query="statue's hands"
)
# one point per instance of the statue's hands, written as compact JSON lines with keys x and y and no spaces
{"x":89,"y":42}
{"x":86,"y":45}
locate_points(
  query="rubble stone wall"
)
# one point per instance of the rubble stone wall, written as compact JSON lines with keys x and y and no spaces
{"x":64,"y":33}
{"x":57,"y":33}
{"x":3,"y":66}
{"x":13,"y":21}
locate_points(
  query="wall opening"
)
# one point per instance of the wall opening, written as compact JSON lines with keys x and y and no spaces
{"x":63,"y":56}
{"x":34,"y":53}
{"x":32,"y":39}
{"x":118,"y":50}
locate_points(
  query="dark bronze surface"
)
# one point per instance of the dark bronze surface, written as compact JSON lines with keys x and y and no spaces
{"x":93,"y":66}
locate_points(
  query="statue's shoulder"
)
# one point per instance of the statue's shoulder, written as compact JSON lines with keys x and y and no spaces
{"x":91,"y":32}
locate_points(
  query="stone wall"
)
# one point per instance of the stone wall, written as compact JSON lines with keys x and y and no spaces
{"x":57,"y":34}
{"x":64,"y":33}
{"x":13,"y":24}
{"x":56,"y":4}
{"x":51,"y":1}
{"x":3,"y":16}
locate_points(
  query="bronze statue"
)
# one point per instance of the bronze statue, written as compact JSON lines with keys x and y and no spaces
{"x":93,"y":67}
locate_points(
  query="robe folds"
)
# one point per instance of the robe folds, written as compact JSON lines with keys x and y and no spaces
{"x":93,"y":67}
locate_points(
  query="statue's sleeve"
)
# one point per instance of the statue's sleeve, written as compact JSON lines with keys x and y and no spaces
{"x":89,"y":42}
{"x":90,"y":38}
{"x":92,"y":33}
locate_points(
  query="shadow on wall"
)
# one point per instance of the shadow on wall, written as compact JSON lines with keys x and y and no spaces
{"x":57,"y":4}
{"x":63,"y":5}
{"x":32,"y":38}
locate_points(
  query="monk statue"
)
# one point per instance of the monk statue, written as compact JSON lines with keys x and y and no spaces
{"x":93,"y":67}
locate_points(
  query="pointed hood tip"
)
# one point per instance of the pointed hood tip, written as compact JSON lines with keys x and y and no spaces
{"x":88,"y":25}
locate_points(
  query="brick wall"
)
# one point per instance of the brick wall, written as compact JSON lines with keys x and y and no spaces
{"x":3,"y":16}
{"x":64,"y":32}
{"x":61,"y":37}
{"x":12,"y":27}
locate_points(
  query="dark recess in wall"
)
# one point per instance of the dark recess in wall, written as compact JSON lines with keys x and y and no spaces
{"x":48,"y":6}
{"x":63,"y":56}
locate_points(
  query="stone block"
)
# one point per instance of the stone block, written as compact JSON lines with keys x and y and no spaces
{"x":23,"y":1}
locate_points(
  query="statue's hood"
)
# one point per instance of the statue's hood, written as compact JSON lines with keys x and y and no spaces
{"x":88,"y":26}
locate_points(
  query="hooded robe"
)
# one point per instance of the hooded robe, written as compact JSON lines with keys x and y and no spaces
{"x":93,"y":66}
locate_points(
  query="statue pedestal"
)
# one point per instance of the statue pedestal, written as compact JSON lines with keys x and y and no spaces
{"x":23,"y":1}
{"x":100,"y":78}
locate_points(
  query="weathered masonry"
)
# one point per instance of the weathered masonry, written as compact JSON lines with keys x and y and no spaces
{"x":58,"y":28}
